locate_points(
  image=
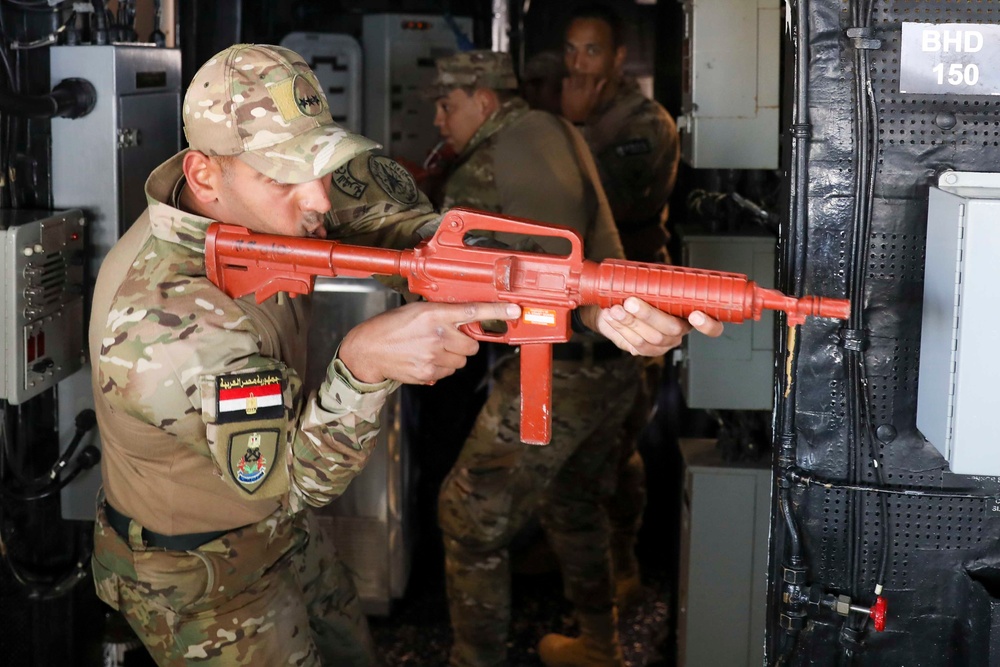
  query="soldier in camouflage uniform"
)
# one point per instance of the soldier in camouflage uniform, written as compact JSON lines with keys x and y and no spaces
{"x":530,"y":164}
{"x":633,"y":138}
{"x":212,"y":452}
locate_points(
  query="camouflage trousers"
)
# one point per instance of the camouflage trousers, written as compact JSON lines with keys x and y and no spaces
{"x":272,"y":593}
{"x":498,"y":482}
{"x":626,"y":506}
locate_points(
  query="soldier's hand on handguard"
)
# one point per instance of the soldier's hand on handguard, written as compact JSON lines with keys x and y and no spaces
{"x":418,"y":343}
{"x":639,"y":328}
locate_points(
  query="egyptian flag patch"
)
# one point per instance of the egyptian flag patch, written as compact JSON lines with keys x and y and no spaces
{"x":252,"y":455}
{"x":249,"y":397}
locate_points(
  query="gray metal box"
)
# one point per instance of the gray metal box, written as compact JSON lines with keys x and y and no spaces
{"x":100,"y":162}
{"x":369,"y":524}
{"x":722,"y":591}
{"x":736,"y":370}
{"x":957,"y":399}
{"x":399,"y":53}
{"x":41,"y":302}
{"x":730,"y":84}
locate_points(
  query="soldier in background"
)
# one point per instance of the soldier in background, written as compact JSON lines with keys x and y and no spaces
{"x":634,"y":139}
{"x":531,"y":164}
{"x":635,"y":143}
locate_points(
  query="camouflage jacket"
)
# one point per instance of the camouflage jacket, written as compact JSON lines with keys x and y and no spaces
{"x":637,"y":148}
{"x":532,"y":164}
{"x":199,"y":397}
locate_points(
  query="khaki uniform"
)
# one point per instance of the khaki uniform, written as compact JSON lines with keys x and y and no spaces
{"x":532,"y":164}
{"x":635,"y":143}
{"x":206,"y":429}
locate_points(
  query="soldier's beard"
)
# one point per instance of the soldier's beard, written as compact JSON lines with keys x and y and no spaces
{"x":312,"y":222}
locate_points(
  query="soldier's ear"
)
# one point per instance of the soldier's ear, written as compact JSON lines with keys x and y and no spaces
{"x":486,"y":101}
{"x":620,"y":54}
{"x":203,"y":176}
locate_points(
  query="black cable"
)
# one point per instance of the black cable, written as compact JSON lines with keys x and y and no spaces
{"x":47,"y":587}
{"x":89,"y":457}
{"x":807,"y":479}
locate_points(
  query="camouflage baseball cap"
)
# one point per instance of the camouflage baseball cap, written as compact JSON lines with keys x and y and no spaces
{"x":264,"y":105}
{"x":479,"y":69}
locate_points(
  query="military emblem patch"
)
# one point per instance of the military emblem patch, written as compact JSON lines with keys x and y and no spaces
{"x":633,"y":147}
{"x":394,"y":179}
{"x":249,"y":397}
{"x":307,"y":98}
{"x":348,"y":184}
{"x":252,"y":455}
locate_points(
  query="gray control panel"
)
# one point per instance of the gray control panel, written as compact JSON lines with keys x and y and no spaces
{"x":42,"y":267}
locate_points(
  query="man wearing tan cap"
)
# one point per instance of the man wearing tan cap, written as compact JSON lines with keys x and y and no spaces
{"x":211,"y":449}
{"x":212,"y":452}
{"x":530,"y":164}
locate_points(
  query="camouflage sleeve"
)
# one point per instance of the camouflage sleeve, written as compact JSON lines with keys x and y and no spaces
{"x":639,"y":167}
{"x":375,"y":202}
{"x":193,"y":368}
{"x":338,"y":431}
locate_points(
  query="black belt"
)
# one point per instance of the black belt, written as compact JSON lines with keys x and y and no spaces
{"x":185,"y":542}
{"x":601,"y":350}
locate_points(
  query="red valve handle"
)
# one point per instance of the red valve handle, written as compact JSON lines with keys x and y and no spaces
{"x":878,"y":612}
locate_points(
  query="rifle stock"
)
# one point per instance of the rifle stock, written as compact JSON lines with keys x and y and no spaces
{"x":548,"y":287}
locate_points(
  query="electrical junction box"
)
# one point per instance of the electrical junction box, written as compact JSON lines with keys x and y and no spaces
{"x":400,"y":51}
{"x":730,"y":67}
{"x":736,"y":370}
{"x":957,"y":396}
{"x":41,"y":264}
{"x":100,"y":162}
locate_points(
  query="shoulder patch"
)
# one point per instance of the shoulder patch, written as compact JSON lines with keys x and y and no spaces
{"x":252,"y":456}
{"x":249,"y":396}
{"x":394,"y":179}
{"x":633,"y":147}
{"x":347,"y":184}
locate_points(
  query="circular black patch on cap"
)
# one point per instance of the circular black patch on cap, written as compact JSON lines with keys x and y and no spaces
{"x":307,"y":98}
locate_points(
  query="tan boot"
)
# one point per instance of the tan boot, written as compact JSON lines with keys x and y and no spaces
{"x":597,"y":645}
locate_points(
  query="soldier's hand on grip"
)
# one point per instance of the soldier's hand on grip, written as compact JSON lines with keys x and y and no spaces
{"x":643,"y":330}
{"x":419,"y":343}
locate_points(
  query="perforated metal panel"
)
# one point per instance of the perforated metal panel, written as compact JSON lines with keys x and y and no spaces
{"x":933,"y":543}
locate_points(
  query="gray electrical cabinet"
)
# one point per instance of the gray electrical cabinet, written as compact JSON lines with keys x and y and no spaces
{"x":736,"y":370}
{"x":956,"y":392}
{"x":370,"y":523}
{"x":729,"y":84}
{"x":41,"y":301}
{"x":722,"y":587}
{"x":100,"y":161}
{"x":400,"y":52}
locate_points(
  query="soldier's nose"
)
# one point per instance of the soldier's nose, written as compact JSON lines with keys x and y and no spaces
{"x":313,"y":196}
